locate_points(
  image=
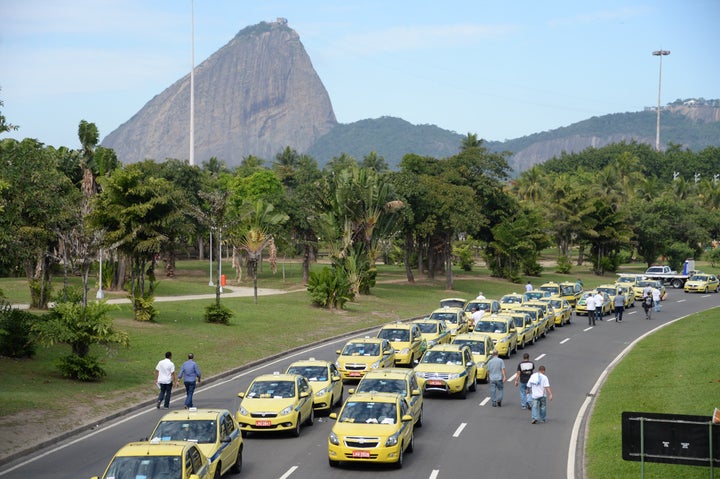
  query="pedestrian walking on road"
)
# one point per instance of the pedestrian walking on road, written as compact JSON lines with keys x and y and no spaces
{"x":525,"y":369}
{"x":590,"y":305}
{"x":647,"y":305}
{"x":619,"y":305}
{"x":599,"y":301}
{"x":541,"y":393}
{"x":165,"y":378}
{"x":496,"y":377}
{"x":190,"y":375}
{"x":656,"y":300}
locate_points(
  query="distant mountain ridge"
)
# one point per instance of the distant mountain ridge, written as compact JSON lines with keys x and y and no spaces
{"x":260,"y":93}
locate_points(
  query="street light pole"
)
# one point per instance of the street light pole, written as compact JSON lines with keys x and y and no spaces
{"x":211,"y":261}
{"x":192,"y":83}
{"x":100,"y":294}
{"x":659,"y":53}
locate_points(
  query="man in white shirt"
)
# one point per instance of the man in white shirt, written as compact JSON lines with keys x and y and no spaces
{"x":590,"y":305}
{"x":165,"y":378}
{"x":599,"y":300}
{"x":540,"y":392}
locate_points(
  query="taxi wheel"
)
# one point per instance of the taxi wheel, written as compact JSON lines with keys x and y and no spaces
{"x":522,"y":344}
{"x":244,"y":433}
{"x":399,"y":462}
{"x":333,"y":463}
{"x":296,"y":431}
{"x":419,"y":422}
{"x":462,"y":394}
{"x":473,"y":385}
{"x":311,"y":419}
{"x":217,"y":472}
{"x":237,"y":466}
{"x":411,"y":446}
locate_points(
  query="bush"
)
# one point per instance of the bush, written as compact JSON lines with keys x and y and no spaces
{"x":16,"y":339}
{"x":463,"y":254}
{"x":86,"y":368}
{"x":564,"y":265}
{"x":714,"y":257}
{"x":144,"y":309}
{"x":329,"y":288}
{"x":218,"y":314}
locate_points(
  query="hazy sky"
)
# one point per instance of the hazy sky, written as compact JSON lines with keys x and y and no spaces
{"x":497,"y":69}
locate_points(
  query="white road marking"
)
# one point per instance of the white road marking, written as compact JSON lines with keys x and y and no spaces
{"x":564,"y":340}
{"x":511,"y":378}
{"x":484,"y":401}
{"x":459,"y":430}
{"x":588,"y":328}
{"x":290,"y":471}
{"x":434,"y":474}
{"x":681,"y":300}
{"x":540,"y":357}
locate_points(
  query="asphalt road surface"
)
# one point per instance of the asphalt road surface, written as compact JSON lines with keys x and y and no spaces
{"x":460,"y":438}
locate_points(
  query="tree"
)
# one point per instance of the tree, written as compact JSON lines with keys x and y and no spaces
{"x":80,"y":326}
{"x":4,"y":125}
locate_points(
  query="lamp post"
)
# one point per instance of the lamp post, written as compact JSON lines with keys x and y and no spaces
{"x":100,"y":294}
{"x":211,"y":263}
{"x":659,"y":53}
{"x":192,"y":83}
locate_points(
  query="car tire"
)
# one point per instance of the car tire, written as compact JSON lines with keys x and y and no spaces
{"x":419,"y":422}
{"x":244,"y":433}
{"x":399,"y":462}
{"x":296,"y":431}
{"x":462,"y":394}
{"x":237,"y":466}
{"x":411,"y":446}
{"x":333,"y":463}
{"x":473,"y":384}
{"x":311,"y":420}
{"x":522,"y":345}
{"x":217,"y":472}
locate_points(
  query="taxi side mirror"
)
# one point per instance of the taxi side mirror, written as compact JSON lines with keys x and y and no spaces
{"x":333,"y":415}
{"x":225,"y":439}
{"x":241,"y":395}
{"x":193,"y":476}
{"x":304,"y":394}
{"x":406,"y":418}
{"x":415,"y":392}
{"x":335,"y":378}
{"x":337,"y":351}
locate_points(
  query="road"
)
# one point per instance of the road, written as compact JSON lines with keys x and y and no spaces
{"x":460,"y":438}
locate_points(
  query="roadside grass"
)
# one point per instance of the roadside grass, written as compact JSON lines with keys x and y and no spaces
{"x":674,"y":371}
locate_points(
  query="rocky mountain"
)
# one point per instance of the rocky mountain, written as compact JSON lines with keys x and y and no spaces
{"x":254,"y":96}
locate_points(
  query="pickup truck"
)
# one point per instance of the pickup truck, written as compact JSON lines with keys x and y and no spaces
{"x":670,"y":277}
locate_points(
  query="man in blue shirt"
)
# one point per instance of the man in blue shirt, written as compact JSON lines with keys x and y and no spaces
{"x":496,"y":376}
{"x":190,"y":375}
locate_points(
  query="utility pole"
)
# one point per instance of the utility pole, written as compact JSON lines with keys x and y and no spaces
{"x":659,"y":53}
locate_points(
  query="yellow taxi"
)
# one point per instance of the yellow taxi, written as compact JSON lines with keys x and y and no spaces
{"x":524,"y":326}
{"x":567,"y":290}
{"x":629,"y":294}
{"x":407,"y":341}
{"x":481,"y":346}
{"x":630,"y":280}
{"x":154,"y":459}
{"x":453,"y":302}
{"x":563,"y":310}
{"x":454,"y":318}
{"x":537,"y":315}
{"x":372,"y":427}
{"x":395,"y":380}
{"x":215,"y":431}
{"x":502,"y":331}
{"x":434,"y":331}
{"x":702,"y":283}
{"x":363,"y":354}
{"x":487,"y":306}
{"x":548,"y":312}
{"x":276,"y":402}
{"x":581,"y":307}
{"x":535,"y":294}
{"x":325,"y":380}
{"x":642,"y":284}
{"x":447,"y":368}
{"x":510,"y":301}
{"x":613,"y":290}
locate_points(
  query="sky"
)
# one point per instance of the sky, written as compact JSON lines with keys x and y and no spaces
{"x":500,"y":70}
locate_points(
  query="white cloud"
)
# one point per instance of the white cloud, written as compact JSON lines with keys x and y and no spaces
{"x":600,"y":16}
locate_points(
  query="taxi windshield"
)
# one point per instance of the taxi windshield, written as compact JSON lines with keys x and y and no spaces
{"x":478,"y":306}
{"x":442,"y":357}
{"x":202,"y":431}
{"x":428,"y":327}
{"x":272,"y":389}
{"x":519,"y":321}
{"x":445,"y":317}
{"x":382,"y":385}
{"x":699,"y":277}
{"x":369,"y":412}
{"x":567,"y":291}
{"x":553,"y":289}
{"x":148,"y":467}
{"x":491,"y":327}
{"x":312,"y":373}
{"x":477,"y":347}
{"x":394,"y":334}
{"x":362,"y":349}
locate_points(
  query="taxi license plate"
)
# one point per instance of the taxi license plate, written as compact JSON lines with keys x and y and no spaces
{"x":363,"y":454}
{"x":354,"y":374}
{"x":263,"y":423}
{"x":435,"y":382}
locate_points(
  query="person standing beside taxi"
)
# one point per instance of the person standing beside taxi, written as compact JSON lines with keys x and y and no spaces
{"x":590,"y":306}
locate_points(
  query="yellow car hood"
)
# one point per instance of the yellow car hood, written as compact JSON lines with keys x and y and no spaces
{"x":363,"y":429}
{"x":266,"y":404}
{"x":439,"y":368}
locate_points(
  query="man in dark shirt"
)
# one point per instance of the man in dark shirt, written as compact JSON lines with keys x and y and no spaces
{"x":524,"y":370}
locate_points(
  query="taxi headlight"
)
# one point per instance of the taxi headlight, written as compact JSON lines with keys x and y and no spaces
{"x":286,"y":411}
{"x":503,"y":340}
{"x":333,"y":439}
{"x":453,"y":375}
{"x":321,"y":392}
{"x":242,"y":411}
{"x":392,"y":440}
{"x":404,"y":350}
